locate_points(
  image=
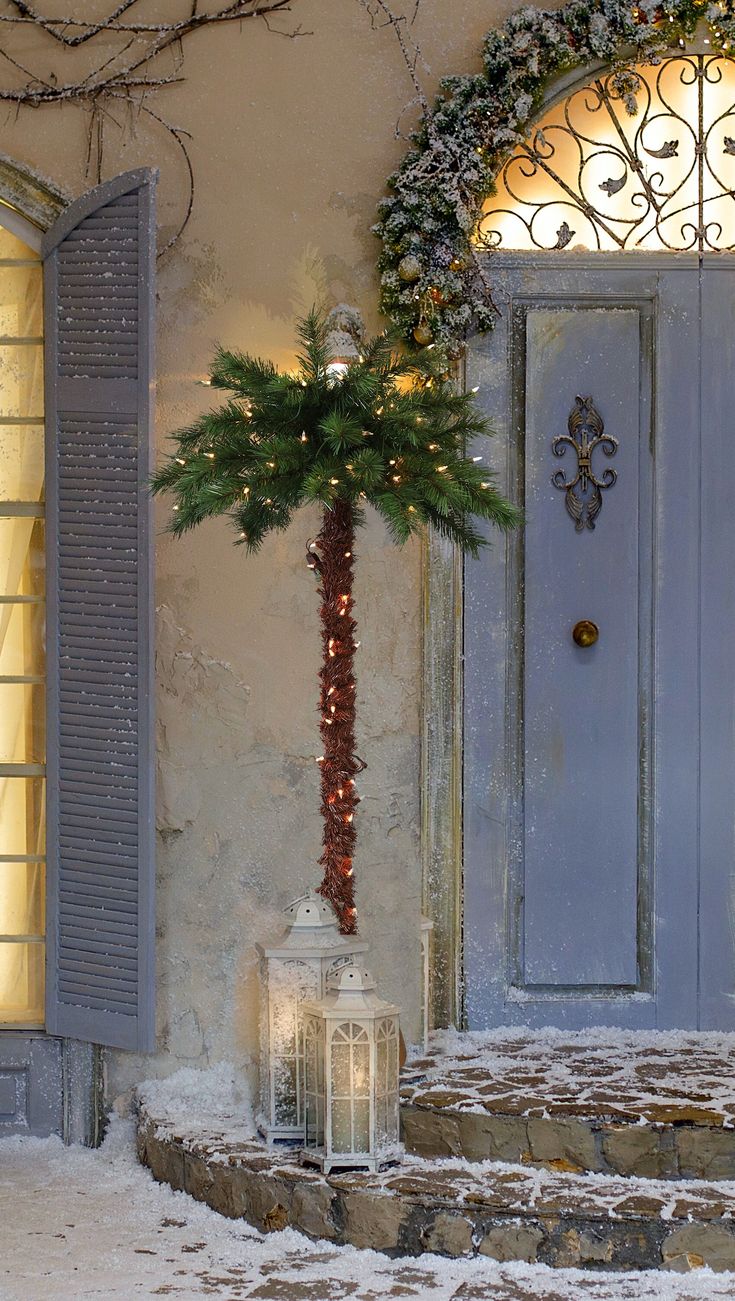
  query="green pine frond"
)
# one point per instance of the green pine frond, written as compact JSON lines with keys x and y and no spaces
{"x":392,"y":431}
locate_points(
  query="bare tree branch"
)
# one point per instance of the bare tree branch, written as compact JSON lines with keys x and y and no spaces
{"x":382,"y":14}
{"x":128,"y":73}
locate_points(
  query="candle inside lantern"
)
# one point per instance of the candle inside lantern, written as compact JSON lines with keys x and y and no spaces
{"x":351,"y":1075}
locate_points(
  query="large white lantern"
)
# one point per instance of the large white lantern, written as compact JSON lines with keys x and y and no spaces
{"x":351,"y":1075}
{"x":295,"y":969}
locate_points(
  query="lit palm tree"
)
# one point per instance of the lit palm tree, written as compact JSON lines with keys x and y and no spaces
{"x":389,"y":429}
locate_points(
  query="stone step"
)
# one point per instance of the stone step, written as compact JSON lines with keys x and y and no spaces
{"x":449,"y":1207}
{"x":650,"y":1105}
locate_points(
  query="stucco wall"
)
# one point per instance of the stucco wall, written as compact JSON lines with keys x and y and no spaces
{"x":291,"y":143}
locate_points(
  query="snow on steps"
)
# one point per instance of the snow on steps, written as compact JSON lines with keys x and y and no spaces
{"x":452,"y":1207}
{"x":658,"y":1105}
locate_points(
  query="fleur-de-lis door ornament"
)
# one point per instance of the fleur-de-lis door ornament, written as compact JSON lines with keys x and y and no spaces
{"x":583,"y":493}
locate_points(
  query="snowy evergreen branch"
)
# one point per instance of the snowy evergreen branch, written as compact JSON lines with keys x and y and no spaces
{"x":434,"y":281}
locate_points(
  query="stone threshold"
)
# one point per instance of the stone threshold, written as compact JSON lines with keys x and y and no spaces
{"x":454,"y":1208}
{"x":619,"y":1103}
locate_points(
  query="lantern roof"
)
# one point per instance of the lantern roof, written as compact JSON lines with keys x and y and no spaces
{"x":313,"y":930}
{"x":351,"y":993}
{"x":310,"y":912}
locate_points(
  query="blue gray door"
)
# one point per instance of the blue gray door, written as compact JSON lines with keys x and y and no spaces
{"x":598,"y":811}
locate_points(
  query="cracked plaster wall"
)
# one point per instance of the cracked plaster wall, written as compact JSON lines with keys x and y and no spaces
{"x":291,"y":143}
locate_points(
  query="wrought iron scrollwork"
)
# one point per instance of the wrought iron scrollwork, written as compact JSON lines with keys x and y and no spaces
{"x":583,"y":493}
{"x":640,"y":158}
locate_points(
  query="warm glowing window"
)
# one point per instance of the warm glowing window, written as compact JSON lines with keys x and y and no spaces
{"x":642,"y":159}
{"x":22,"y":705}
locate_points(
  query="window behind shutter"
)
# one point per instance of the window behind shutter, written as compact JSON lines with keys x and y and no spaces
{"x":99,"y":275}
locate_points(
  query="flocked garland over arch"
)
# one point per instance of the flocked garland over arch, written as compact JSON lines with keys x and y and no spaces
{"x":434,"y":285}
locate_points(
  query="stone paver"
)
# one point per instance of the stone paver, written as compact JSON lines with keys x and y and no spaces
{"x":452,"y":1207}
{"x":649,"y":1105}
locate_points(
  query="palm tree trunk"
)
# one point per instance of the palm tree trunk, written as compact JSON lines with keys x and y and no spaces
{"x":339,"y":763}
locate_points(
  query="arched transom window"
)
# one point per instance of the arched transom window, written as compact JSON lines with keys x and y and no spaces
{"x":640,"y":159}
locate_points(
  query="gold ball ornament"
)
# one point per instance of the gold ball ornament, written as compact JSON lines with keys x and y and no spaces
{"x":409,"y":268}
{"x":457,"y":264}
{"x":423,"y":334}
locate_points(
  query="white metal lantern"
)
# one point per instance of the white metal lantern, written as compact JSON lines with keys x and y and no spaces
{"x":345,"y":329}
{"x":295,"y":969}
{"x":351,"y":1075}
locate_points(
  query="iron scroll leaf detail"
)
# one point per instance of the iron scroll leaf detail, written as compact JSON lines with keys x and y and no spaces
{"x":583,"y":493}
{"x":636,"y":159}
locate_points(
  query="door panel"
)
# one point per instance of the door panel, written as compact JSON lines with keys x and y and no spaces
{"x":716,"y":901}
{"x":31,"y":1085}
{"x":598,"y":824}
{"x":581,"y":705}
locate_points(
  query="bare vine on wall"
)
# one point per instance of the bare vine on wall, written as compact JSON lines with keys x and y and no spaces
{"x":114,"y":67}
{"x":132,"y":61}
{"x":382,"y":13}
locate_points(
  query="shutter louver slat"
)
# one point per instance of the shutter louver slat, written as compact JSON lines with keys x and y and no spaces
{"x":99,"y":281}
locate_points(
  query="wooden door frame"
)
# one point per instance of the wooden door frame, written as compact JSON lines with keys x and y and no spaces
{"x":443,"y":720}
{"x":443,"y":701}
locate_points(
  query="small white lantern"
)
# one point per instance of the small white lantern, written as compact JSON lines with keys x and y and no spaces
{"x":295,"y":969}
{"x":345,"y":330}
{"x":351,"y":1075}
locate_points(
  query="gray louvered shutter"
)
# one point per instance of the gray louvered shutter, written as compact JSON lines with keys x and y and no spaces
{"x":99,"y":296}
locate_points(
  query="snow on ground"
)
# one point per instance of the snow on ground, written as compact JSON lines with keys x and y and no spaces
{"x":195,"y":1102}
{"x":76,"y":1224}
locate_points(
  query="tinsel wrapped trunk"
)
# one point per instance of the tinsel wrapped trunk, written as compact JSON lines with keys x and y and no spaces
{"x":339,"y":763}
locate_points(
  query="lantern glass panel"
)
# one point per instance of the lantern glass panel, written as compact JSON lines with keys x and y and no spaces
{"x":361,"y":1125}
{"x":314,"y":1080}
{"x":361,"y":1069}
{"x":381,"y":1092}
{"x":291,"y":981}
{"x":386,"y":1084}
{"x":342,"y":1125}
{"x":286,"y":1090}
{"x":341,"y":1074}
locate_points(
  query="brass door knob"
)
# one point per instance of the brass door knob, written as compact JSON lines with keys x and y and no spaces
{"x":585,"y":633}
